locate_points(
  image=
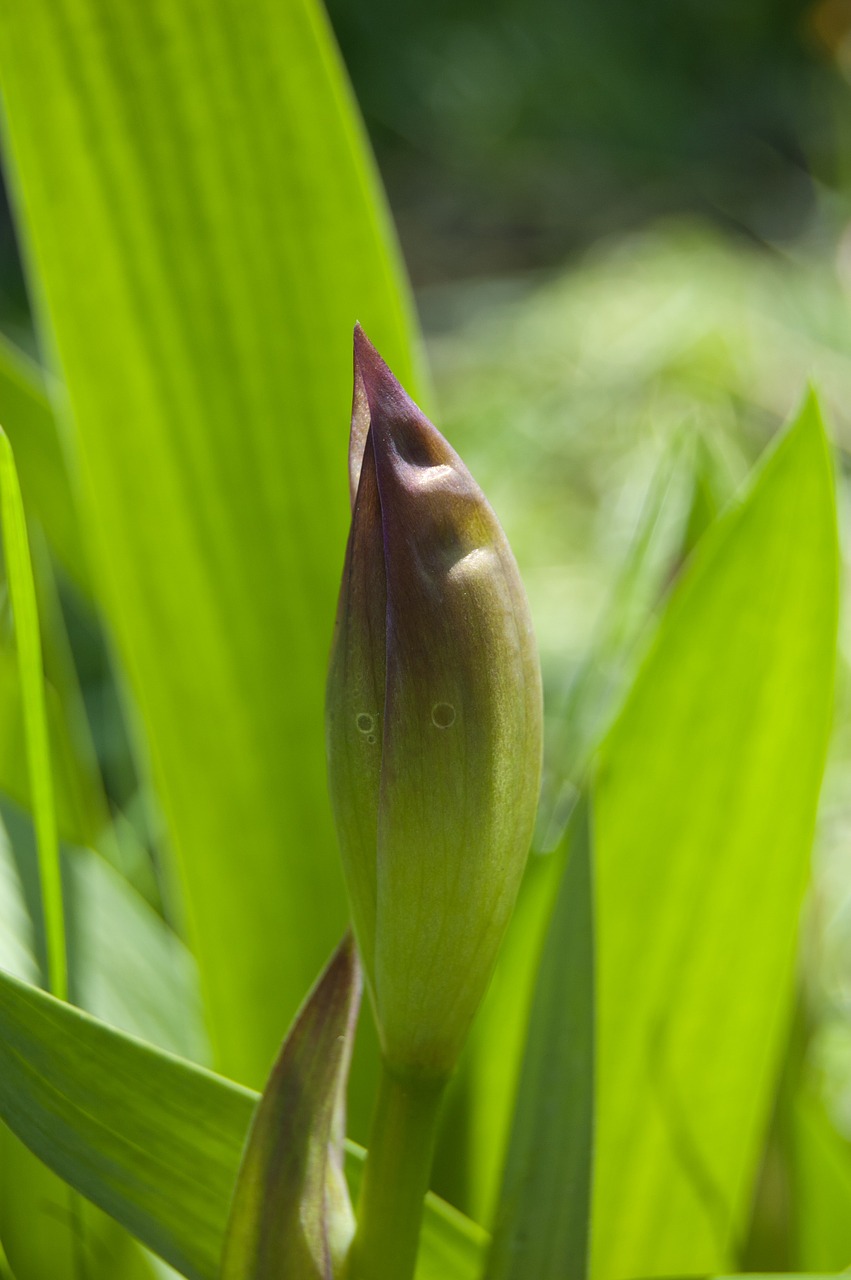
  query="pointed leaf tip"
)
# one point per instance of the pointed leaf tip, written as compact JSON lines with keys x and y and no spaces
{"x":290,"y":1213}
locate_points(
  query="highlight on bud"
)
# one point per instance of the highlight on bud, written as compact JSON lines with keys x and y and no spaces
{"x":433,"y":724}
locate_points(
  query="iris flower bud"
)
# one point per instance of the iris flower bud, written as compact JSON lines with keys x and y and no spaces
{"x":433,"y":725}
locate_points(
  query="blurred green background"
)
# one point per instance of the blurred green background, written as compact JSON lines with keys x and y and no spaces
{"x":629,"y":231}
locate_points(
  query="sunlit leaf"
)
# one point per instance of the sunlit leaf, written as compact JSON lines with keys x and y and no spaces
{"x":679,"y":502}
{"x":199,"y":166}
{"x":704,"y":819}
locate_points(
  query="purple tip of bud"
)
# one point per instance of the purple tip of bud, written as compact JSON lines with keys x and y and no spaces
{"x":382,"y":387}
{"x":380,"y":401}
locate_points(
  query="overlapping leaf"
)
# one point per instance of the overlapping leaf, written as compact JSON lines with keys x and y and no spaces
{"x":704,"y":818}
{"x":153,"y":1140}
{"x":543,"y":1218}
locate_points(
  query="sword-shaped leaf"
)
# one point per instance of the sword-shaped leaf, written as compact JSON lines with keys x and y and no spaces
{"x":704,"y":814}
{"x":543,"y":1219}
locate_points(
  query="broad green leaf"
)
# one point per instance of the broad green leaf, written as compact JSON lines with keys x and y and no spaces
{"x":126,"y":965}
{"x":821,"y":1185}
{"x":704,"y":815}
{"x":33,"y":700}
{"x":153,"y":1140}
{"x":680,"y":501}
{"x":291,"y":1215}
{"x":543,"y":1218}
{"x":199,"y":166}
{"x":29,"y":422}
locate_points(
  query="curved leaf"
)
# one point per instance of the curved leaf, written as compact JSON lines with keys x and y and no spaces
{"x":152,"y":1139}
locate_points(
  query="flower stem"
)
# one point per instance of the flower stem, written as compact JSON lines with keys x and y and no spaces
{"x":395,"y":1179}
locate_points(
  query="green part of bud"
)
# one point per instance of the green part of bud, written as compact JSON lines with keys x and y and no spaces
{"x":434,"y":725}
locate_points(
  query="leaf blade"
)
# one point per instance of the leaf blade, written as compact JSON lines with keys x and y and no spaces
{"x":33,"y":699}
{"x":716,"y":758}
{"x":543,"y":1217}
{"x":130,"y":1127}
{"x":30,"y":424}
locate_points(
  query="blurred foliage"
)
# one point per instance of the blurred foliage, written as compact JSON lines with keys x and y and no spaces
{"x":512,"y":132}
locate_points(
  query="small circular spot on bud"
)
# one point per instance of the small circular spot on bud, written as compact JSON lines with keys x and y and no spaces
{"x":443,"y":715}
{"x":371,"y":739}
{"x":365,"y":723}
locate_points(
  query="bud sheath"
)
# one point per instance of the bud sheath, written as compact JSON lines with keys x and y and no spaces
{"x":434,"y":725}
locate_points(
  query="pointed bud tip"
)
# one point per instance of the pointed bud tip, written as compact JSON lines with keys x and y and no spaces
{"x":384,"y":392}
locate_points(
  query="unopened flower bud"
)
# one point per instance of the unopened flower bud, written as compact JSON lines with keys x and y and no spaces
{"x":434,"y":725}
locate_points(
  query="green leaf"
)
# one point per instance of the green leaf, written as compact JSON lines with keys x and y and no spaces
{"x":199,"y":166}
{"x":543,"y":1218}
{"x":37,"y":742}
{"x":28,"y":420}
{"x":680,"y":500}
{"x":17,"y":936}
{"x":491,"y":1069}
{"x":821,"y":1180}
{"x":153,"y":1140}
{"x":45,"y":1228}
{"x":291,"y":1215}
{"x":704,"y":817}
{"x":50,"y":1231}
{"x":128,"y":967}
{"x":123,"y":963}
{"x":72,"y":813}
